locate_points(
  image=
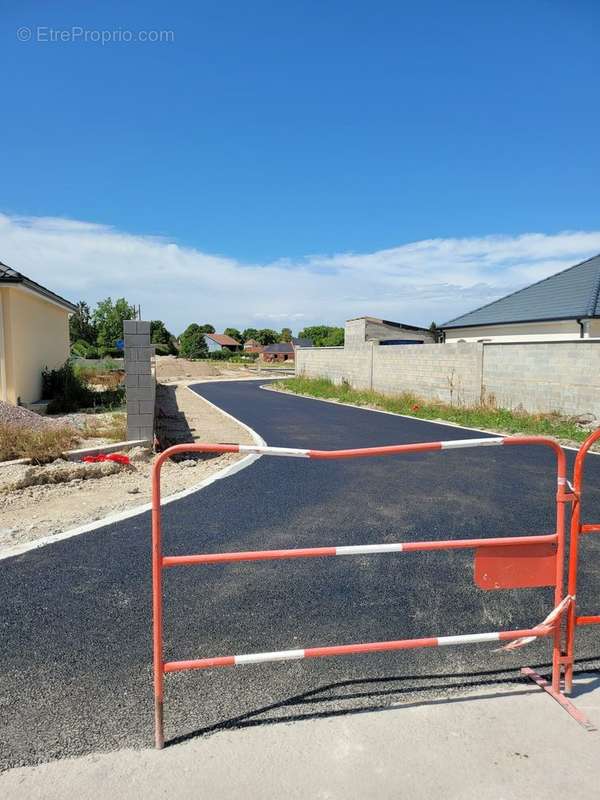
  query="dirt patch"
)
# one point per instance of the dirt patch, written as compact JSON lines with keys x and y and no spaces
{"x":170,"y":369}
{"x":64,"y":495}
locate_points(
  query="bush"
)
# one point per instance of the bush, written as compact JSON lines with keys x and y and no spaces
{"x":68,"y":391}
{"x":221,"y":355}
{"x":83,"y":349}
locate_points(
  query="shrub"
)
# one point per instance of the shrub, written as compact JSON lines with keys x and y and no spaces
{"x":220,"y":355}
{"x":67,"y":390}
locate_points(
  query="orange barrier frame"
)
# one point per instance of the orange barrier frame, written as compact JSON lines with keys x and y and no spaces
{"x":577,"y":530}
{"x":496,"y":566}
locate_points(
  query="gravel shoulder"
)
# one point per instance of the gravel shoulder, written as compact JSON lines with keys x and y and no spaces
{"x":76,"y":494}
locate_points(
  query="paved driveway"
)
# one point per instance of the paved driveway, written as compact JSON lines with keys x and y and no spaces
{"x":75,"y":636}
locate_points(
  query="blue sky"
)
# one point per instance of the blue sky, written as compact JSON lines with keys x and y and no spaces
{"x":291,"y":133}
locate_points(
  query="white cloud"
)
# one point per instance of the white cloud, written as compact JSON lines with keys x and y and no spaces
{"x":415,"y":283}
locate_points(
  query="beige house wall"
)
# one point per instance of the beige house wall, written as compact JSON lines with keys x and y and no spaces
{"x":35,"y":334}
{"x":522,"y":332}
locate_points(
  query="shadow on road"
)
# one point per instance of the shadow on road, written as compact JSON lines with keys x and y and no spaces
{"x":368,"y":687}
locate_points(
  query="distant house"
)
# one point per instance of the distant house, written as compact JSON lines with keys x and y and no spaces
{"x":34,"y":333}
{"x":252,"y":346}
{"x":284,"y":351}
{"x":219,"y":341}
{"x":563,"y":306}
{"x":360,"y":330}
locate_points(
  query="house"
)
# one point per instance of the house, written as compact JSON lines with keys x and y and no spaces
{"x":34,"y":334}
{"x":252,"y":346}
{"x":360,"y":330}
{"x":563,"y":306}
{"x":284,"y":351}
{"x":219,"y":341}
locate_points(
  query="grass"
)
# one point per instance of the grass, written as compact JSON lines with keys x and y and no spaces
{"x":114,"y":428}
{"x":40,"y":445}
{"x":483,"y":417}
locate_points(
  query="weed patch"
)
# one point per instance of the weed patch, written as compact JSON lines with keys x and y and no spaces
{"x":483,"y":417}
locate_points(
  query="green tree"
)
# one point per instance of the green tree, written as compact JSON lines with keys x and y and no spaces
{"x":249,"y":333}
{"x":266,"y":336}
{"x":206,"y":328}
{"x":323,"y":335}
{"x":437,"y":332}
{"x":335,"y":338}
{"x":159,"y":333}
{"x":234,"y":333}
{"x":285,"y":335}
{"x":108,"y":319}
{"x":193,"y":343}
{"x":81,"y":327}
{"x":162,"y":338}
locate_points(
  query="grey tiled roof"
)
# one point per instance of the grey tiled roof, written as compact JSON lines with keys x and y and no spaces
{"x":570,"y":294}
{"x":10,"y":275}
{"x":279,"y":347}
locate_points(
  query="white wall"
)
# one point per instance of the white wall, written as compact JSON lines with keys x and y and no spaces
{"x":522,"y":332}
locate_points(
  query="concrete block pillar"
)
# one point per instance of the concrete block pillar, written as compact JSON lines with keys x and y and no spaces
{"x":140,"y":380}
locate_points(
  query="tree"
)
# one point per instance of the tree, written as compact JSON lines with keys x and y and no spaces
{"x":323,"y":335}
{"x":266,"y":336}
{"x":81,"y":327}
{"x":249,"y":333}
{"x":108,"y":319}
{"x":206,"y":328}
{"x":234,"y":333}
{"x":159,"y":333}
{"x":335,"y":338}
{"x":162,"y":338}
{"x":437,"y":333}
{"x":285,"y":335}
{"x":193,"y":344}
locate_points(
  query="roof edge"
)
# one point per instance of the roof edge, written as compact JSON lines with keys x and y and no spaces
{"x":520,"y":321}
{"x":518,"y":291}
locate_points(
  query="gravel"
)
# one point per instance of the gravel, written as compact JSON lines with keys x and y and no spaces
{"x":17,"y":415}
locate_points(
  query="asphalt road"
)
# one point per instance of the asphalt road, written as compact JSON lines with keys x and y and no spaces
{"x":75,"y":626}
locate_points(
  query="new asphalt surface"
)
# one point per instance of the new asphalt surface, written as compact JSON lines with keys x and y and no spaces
{"x":75,"y":635}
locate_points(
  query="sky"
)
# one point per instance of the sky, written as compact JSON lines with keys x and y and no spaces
{"x":292,"y":163}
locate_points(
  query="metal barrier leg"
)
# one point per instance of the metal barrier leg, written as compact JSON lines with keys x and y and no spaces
{"x":157,"y":634}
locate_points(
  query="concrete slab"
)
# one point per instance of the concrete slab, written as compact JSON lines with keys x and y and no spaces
{"x":505,"y":742}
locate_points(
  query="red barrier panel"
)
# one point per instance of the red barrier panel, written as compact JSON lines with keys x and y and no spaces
{"x":506,"y":562}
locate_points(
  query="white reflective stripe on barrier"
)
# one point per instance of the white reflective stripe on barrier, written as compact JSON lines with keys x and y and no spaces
{"x":280,"y":655}
{"x":471,"y":443}
{"x":294,"y":452}
{"x":356,"y":550}
{"x":470,"y":638}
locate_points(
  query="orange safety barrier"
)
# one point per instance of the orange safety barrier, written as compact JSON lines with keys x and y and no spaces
{"x":499,"y":563}
{"x":577,"y":529}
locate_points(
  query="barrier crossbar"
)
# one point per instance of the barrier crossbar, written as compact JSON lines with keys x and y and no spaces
{"x":501,"y":562}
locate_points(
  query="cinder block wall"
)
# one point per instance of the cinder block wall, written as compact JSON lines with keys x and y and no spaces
{"x":450,"y":373}
{"x":140,"y":381}
{"x":535,"y":376}
{"x":544,"y":376}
